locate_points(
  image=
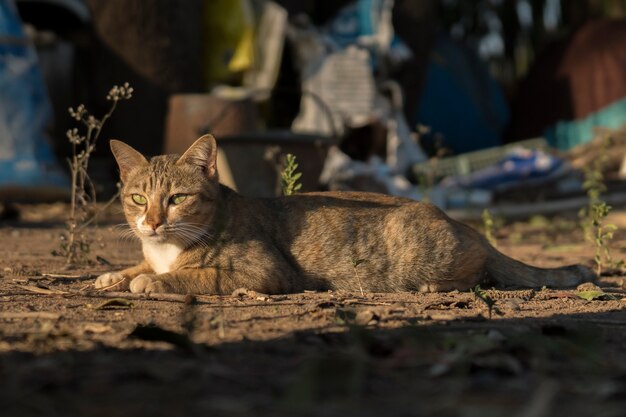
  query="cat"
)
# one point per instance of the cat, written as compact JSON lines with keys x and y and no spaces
{"x":199,"y":236}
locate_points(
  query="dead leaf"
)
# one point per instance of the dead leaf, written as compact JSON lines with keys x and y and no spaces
{"x":62,"y":277}
{"x":114,"y":304}
{"x":594,"y":295}
{"x":68,"y":276}
{"x":41,"y":290}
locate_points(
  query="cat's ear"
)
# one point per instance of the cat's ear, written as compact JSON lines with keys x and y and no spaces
{"x":127,"y":158}
{"x":202,"y":153}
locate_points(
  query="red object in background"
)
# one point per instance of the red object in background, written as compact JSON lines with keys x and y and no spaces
{"x":571,"y":79}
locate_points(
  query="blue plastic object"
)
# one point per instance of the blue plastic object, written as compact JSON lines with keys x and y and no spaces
{"x":26,"y":158}
{"x":460,"y":99}
{"x":567,"y":134}
{"x":521,"y":167}
{"x":358,"y":19}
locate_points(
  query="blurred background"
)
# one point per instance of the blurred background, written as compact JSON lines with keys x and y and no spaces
{"x":464,"y":103}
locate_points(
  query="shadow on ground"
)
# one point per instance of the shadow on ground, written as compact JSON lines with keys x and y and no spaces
{"x":561,"y":365}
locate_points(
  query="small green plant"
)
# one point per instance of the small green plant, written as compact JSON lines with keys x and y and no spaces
{"x":480,"y":294}
{"x":289,"y":176}
{"x":594,"y":214}
{"x":488,"y":226}
{"x":594,"y":186}
{"x":603,"y":234}
{"x":74,"y":245}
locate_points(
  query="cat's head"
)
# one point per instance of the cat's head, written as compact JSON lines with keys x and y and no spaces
{"x":169,"y":198}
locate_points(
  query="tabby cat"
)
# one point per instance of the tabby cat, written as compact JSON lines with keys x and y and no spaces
{"x":199,"y":236}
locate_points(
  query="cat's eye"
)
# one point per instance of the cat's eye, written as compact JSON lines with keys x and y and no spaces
{"x":139,"y":199}
{"x":178,"y":198}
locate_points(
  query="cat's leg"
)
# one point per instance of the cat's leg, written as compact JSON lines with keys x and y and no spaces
{"x":212,"y":281}
{"x":120,"y":280}
{"x":185,"y":281}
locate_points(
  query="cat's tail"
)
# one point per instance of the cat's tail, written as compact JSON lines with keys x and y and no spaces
{"x":509,"y":272}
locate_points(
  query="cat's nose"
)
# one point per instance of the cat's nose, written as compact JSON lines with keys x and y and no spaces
{"x":155,"y":225}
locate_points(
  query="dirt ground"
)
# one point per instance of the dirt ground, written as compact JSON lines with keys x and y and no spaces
{"x":67,"y":350}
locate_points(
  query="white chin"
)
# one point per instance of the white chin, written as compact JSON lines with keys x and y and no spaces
{"x":152,"y":236}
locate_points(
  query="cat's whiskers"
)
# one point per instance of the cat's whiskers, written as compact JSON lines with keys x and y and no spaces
{"x":125,"y":232}
{"x":191,"y":234}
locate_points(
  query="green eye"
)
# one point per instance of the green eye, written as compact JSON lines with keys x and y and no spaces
{"x":139,"y":199}
{"x":178,"y":198}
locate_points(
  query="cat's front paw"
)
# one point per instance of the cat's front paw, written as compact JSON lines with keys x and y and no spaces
{"x":113,"y":281}
{"x":147,"y":283}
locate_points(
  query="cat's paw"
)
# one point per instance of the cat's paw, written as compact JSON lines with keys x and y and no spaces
{"x":113,"y":281}
{"x":147,"y":283}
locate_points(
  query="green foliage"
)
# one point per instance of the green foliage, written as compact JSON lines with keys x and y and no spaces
{"x":591,"y":295}
{"x":480,"y":294}
{"x":289,"y":176}
{"x":602,"y":234}
{"x":593,"y":216}
{"x":74,"y":245}
{"x":488,"y":225}
{"x":594,"y":186}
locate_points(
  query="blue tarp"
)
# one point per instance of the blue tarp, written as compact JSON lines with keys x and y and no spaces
{"x":26,"y":158}
{"x":461,"y":101}
{"x":566,"y":134}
